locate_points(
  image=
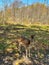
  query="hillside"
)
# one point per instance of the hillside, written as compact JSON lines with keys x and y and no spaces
{"x":35,"y":13}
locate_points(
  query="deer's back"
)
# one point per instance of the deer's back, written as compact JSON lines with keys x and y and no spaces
{"x":24,"y":41}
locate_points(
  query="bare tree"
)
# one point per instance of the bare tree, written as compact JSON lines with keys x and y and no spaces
{"x":5,"y":7}
{"x":16,"y":5}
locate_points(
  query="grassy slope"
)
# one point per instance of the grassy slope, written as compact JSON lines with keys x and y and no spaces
{"x":12,"y":31}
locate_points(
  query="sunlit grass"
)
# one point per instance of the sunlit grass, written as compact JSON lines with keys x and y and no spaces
{"x":41,"y":33}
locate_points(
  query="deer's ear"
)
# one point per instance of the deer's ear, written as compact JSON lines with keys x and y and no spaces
{"x":32,"y":36}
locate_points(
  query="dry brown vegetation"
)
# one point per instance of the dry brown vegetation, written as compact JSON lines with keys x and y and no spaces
{"x":17,"y":12}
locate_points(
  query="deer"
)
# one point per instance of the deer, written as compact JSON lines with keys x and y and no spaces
{"x":25,"y":42}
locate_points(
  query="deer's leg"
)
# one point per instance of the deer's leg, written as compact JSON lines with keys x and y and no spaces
{"x":29,"y":52}
{"x":19,"y":47}
{"x":26,"y":53}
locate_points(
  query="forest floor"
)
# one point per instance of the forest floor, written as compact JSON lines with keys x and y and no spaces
{"x":9,"y":52}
